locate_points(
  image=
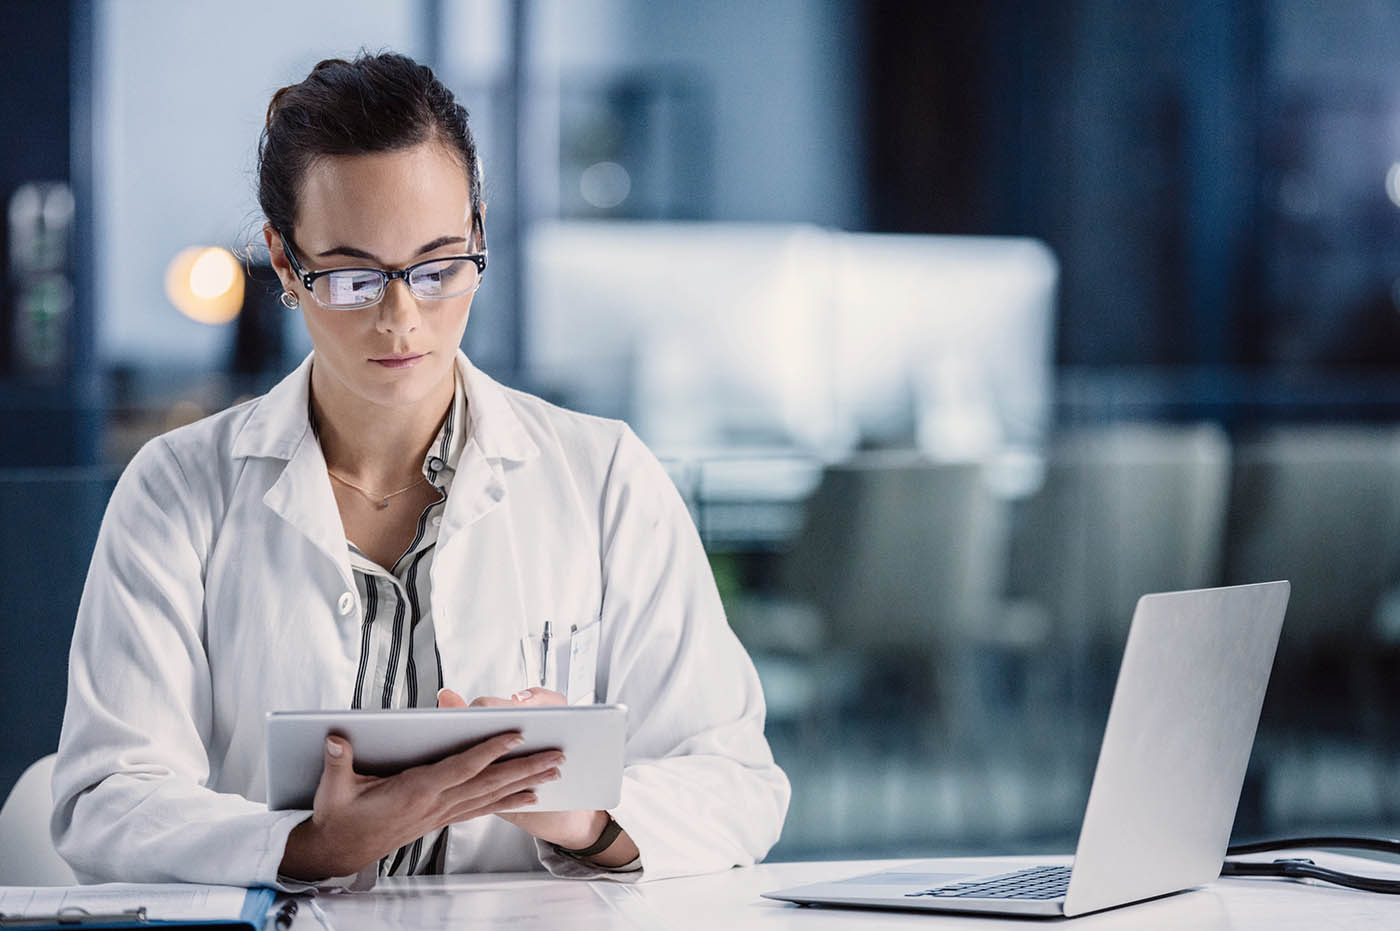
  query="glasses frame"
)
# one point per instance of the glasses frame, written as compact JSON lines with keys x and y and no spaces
{"x":308,"y":277}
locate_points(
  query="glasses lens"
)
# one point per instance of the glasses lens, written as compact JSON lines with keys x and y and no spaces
{"x":350,"y":287}
{"x":444,"y":279}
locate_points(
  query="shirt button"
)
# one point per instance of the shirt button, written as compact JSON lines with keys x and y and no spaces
{"x":436,"y":464}
{"x":437,"y":521}
{"x":347,"y":603}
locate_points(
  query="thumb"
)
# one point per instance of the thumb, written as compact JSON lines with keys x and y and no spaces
{"x":338,"y":768}
{"x":446,"y":698}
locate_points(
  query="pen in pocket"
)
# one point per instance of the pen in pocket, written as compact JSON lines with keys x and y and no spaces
{"x":544,"y":655}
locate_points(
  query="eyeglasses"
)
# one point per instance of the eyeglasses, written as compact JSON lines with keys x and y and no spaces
{"x":353,"y":288}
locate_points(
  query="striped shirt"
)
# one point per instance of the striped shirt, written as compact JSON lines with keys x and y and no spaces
{"x":399,"y":663}
{"x":400,"y":666}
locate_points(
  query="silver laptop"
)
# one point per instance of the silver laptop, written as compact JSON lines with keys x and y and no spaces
{"x":1169,"y":775}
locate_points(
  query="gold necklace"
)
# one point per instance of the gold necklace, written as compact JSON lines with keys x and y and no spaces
{"x":383,"y":500}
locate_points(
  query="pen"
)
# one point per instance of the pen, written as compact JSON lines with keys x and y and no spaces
{"x":544,"y":654}
{"x":285,"y":915}
{"x":76,"y":916}
{"x":320,"y":915}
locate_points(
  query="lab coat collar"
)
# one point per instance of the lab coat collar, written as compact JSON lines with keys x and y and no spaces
{"x":495,"y":427}
{"x":280,"y":422}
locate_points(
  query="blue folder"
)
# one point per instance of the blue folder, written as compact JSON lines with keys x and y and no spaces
{"x":256,"y":905}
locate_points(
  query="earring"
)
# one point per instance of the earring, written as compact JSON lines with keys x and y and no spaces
{"x":290,"y":300}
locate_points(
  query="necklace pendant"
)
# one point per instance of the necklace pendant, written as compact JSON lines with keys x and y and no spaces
{"x":383,"y":503}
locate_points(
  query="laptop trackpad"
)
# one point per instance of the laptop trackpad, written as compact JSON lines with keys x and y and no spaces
{"x":920,"y":880}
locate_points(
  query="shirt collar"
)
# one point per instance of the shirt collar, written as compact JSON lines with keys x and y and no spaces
{"x":446,"y":448}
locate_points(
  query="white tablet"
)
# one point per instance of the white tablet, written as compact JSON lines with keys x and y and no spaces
{"x":385,"y":742}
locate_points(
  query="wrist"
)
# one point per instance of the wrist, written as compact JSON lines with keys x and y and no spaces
{"x":309,"y":856}
{"x":610,"y":848}
{"x":583,"y":833}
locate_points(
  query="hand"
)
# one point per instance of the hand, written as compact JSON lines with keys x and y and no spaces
{"x":572,"y":830}
{"x":356,"y":819}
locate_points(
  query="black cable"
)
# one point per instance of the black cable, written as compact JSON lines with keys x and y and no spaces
{"x":1379,"y":844}
{"x":1303,"y":868}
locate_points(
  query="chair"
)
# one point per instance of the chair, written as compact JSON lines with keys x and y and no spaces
{"x":27,"y":854}
{"x":1320,"y":506}
{"x":1124,"y":510}
{"x":903,"y":558}
{"x":900,"y":552}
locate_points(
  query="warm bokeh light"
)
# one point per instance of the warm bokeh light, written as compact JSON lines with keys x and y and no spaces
{"x":205,"y":283}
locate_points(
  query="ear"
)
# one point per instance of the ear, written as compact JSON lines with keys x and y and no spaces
{"x":477,"y":229}
{"x":278,"y":256}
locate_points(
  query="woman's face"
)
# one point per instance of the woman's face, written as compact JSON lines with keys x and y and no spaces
{"x":386,"y":210}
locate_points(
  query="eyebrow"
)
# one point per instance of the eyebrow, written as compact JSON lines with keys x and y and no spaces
{"x":354,"y":253}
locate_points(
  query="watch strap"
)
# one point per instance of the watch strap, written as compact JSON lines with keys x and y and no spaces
{"x":604,"y":841}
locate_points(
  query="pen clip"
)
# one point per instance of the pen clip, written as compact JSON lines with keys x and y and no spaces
{"x":544,"y":655}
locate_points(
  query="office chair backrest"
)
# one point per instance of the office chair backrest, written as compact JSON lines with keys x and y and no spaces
{"x":900,"y":551}
{"x":1319,"y":505}
{"x":1125,"y":510}
{"x":27,"y":854}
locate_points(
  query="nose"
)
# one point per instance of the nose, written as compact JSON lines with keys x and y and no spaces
{"x":398,"y":309}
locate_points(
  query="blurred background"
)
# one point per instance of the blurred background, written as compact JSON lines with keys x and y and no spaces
{"x":959,"y":326}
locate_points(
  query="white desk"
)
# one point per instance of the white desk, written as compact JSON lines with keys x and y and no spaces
{"x":730,"y":902}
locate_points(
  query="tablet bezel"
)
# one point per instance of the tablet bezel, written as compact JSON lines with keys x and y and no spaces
{"x":386,"y":741}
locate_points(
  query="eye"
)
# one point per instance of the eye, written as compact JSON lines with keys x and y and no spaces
{"x":444,"y":278}
{"x":350,"y":287}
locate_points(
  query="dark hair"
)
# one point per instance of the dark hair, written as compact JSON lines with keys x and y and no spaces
{"x":376,"y":103}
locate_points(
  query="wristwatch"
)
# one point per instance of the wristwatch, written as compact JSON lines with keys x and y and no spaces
{"x":604,"y":841}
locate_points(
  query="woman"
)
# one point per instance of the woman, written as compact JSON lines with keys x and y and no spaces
{"x":388,"y":527}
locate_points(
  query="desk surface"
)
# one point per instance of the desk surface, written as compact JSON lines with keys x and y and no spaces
{"x":730,"y":901}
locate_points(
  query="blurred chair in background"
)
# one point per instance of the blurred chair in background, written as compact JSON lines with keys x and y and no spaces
{"x":904,"y":559}
{"x":1320,"y":506}
{"x":1124,"y":510}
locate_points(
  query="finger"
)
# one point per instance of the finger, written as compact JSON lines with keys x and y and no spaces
{"x":446,"y":698}
{"x":539,"y":696}
{"x":466,"y":764}
{"x":487,"y":701}
{"x":337,"y":770}
{"x":507,"y":776}
{"x":506,"y":803}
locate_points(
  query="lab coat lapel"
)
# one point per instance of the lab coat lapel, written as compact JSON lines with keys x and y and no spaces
{"x":302,"y":497}
{"x":280,"y":428}
{"x":495,"y":437}
{"x":478,"y":597}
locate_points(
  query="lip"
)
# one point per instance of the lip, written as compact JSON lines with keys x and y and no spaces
{"x":400,"y":360}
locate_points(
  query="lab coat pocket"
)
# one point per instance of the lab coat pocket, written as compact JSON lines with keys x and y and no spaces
{"x":565,"y":660}
{"x":582,"y":667}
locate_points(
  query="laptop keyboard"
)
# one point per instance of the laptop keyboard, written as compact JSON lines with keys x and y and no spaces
{"x":1038,"y":882}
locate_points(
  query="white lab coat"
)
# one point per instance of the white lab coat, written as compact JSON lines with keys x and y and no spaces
{"x":221,"y":589}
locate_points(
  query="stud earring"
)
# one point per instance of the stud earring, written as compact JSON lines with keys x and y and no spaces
{"x":290,"y":300}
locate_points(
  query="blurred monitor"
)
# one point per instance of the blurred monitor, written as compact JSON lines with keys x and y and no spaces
{"x":713,"y":336}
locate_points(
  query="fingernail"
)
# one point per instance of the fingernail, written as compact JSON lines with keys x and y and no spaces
{"x":514,"y":742}
{"x":552,"y":775}
{"x":522,"y":696}
{"x":333,"y":748}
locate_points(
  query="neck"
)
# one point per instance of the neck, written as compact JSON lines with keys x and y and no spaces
{"x":371,"y":444}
